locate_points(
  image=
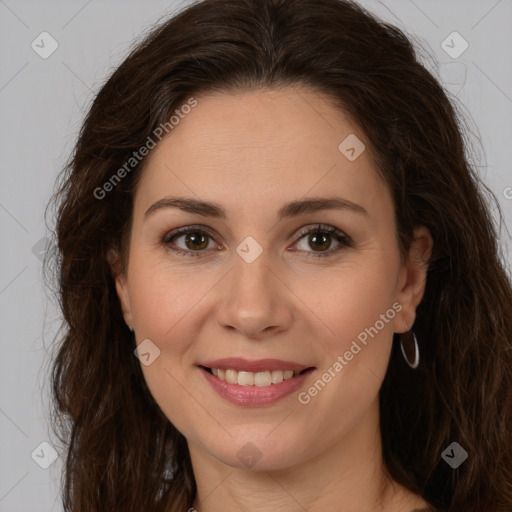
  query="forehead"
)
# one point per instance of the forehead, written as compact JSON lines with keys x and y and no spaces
{"x":247,"y":149}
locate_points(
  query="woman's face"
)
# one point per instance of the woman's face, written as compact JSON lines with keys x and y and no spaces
{"x":251,"y":284}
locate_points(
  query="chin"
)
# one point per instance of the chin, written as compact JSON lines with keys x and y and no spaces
{"x":259,"y":453}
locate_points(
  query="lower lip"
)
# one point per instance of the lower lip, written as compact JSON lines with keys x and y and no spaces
{"x":255,"y":396}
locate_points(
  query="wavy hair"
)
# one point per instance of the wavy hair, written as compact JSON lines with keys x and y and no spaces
{"x":122,"y":453}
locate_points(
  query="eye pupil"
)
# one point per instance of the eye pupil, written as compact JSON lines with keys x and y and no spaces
{"x":313,"y":238}
{"x":194,"y":237}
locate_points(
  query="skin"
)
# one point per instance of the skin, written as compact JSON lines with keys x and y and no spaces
{"x":252,"y":152}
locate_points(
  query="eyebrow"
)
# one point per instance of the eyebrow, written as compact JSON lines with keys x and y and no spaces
{"x":292,"y":209}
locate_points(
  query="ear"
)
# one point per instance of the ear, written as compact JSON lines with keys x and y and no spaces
{"x":413,"y":278}
{"x":121,"y":283}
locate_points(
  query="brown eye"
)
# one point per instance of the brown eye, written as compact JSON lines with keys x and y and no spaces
{"x":195,"y":240}
{"x":188,"y":241}
{"x":320,"y":239}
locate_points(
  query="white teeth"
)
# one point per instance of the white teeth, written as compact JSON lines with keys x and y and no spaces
{"x":277,"y":376}
{"x":265,"y":378}
{"x":246,"y":378}
{"x":262,"y":379}
{"x":232,"y":376}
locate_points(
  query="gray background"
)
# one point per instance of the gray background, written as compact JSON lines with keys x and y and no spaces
{"x":42,"y":103}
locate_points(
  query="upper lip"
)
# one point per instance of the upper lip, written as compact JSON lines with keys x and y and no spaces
{"x":259,"y":365}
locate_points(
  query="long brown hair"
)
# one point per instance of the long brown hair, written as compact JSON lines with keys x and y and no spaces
{"x":123,"y":454}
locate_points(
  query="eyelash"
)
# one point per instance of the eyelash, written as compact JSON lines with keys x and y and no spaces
{"x":345,"y":241}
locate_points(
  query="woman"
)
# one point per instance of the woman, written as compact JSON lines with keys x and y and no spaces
{"x":280,"y":278}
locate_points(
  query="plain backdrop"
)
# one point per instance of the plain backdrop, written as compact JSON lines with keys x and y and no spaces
{"x":42,"y":104}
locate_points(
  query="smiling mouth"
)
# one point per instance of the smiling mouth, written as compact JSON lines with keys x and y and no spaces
{"x":257,"y":379}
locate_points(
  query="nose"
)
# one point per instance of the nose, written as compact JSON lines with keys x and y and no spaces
{"x":255,"y":300}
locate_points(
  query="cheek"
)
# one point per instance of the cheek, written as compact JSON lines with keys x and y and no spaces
{"x":163,"y":301}
{"x":164,"y":298}
{"x":350,"y":299}
{"x":356,"y":353}
{"x":358,"y":309}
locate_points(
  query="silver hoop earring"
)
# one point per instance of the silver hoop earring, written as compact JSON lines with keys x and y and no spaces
{"x":416,"y":361}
